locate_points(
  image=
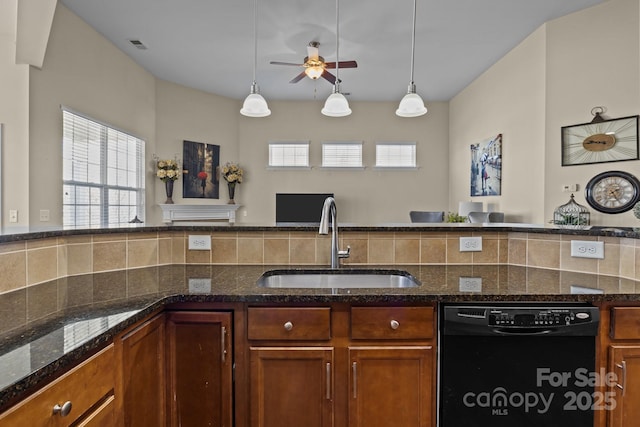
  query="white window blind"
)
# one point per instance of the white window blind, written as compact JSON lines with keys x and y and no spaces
{"x":396,"y":155}
{"x":342,"y":154}
{"x":103,"y":174}
{"x":289,"y":154}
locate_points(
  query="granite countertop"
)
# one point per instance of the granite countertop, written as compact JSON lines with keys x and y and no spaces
{"x":629,"y":232}
{"x":96,"y":307}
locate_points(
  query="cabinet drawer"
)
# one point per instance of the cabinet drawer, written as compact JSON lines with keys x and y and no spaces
{"x":83,"y":386}
{"x":289,"y":323}
{"x":389,"y":323}
{"x":625,"y":323}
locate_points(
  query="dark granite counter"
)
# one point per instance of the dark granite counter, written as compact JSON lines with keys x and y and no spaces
{"x":93,"y":308}
{"x":629,"y":232}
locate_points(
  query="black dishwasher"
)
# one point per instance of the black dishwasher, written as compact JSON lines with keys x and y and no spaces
{"x":520,"y":364}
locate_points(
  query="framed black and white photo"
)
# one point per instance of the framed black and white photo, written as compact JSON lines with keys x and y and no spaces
{"x":201,"y":170}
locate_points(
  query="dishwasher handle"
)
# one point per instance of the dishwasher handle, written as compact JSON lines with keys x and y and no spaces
{"x":523,"y":331}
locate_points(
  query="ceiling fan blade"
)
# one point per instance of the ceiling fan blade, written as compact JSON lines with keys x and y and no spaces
{"x":297,"y":78}
{"x":328,"y":76}
{"x":343,"y":64}
{"x":285,"y":63}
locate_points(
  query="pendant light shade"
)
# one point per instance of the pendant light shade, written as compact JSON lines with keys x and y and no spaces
{"x":255,"y":105}
{"x":412,"y":104}
{"x":336,"y":104}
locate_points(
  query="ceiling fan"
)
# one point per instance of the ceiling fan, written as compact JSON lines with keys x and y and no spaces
{"x":315,"y":67}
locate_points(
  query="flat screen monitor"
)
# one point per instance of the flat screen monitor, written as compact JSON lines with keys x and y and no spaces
{"x":299,"y":208}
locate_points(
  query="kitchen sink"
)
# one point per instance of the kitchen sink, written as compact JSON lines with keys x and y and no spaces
{"x":337,"y":278}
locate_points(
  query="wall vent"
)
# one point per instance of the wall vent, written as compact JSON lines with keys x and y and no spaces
{"x":138,"y":44}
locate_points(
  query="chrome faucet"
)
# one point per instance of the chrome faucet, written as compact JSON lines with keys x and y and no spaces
{"x":329,"y":213}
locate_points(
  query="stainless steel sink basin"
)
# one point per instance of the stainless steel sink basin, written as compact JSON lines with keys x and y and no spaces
{"x":337,"y":278}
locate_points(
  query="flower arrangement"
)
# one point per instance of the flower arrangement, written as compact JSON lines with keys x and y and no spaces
{"x":167,"y":170}
{"x":232,"y":173}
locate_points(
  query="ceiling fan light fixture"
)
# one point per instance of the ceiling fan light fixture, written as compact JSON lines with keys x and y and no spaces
{"x":336,"y":104}
{"x":254,"y":104}
{"x":314,"y":73}
{"x":411,"y":104}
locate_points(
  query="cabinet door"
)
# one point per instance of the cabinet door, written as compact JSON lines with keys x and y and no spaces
{"x":391,"y":386}
{"x":624,"y":361}
{"x":144,"y":374}
{"x":200,"y":368}
{"x":291,"y":386}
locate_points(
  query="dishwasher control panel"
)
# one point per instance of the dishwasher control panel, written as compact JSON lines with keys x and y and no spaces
{"x":522,"y":319}
{"x":536,"y":318}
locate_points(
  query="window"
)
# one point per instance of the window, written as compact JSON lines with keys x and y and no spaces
{"x":342,"y":154}
{"x":102,"y":174}
{"x":289,"y":154}
{"x":396,"y":155}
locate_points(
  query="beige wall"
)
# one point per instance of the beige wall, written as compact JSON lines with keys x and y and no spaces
{"x":14,"y":115}
{"x":552,"y":79}
{"x":366,"y":196}
{"x":84,"y":72}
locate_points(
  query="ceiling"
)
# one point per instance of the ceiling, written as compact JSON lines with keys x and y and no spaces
{"x":209,"y":45}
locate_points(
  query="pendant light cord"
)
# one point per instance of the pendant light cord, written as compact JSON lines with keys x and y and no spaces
{"x":255,"y":39}
{"x":413,"y":41}
{"x":337,"y":42}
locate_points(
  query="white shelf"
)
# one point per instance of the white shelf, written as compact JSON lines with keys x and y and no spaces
{"x":175,"y":213}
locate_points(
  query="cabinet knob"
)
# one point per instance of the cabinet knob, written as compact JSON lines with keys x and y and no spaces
{"x":394,"y":324}
{"x":288,"y":326}
{"x":63,"y":410}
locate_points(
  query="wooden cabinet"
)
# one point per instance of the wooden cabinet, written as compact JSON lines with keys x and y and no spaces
{"x":143,"y":366}
{"x":342,"y":366}
{"x":624,"y":362}
{"x":84,"y":396}
{"x":391,"y":386}
{"x":200,"y":363}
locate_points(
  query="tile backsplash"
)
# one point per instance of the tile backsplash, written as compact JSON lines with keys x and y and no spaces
{"x":32,"y":262}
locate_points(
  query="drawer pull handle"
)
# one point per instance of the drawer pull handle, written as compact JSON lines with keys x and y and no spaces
{"x":63,"y":410}
{"x":288,"y":326}
{"x":395,"y":324}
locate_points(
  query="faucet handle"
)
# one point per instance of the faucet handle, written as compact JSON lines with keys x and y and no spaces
{"x":345,"y":254}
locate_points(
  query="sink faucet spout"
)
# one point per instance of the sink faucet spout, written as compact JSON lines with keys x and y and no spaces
{"x":330,"y":214}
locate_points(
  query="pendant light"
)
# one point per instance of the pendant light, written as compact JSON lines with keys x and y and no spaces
{"x":336,"y":104}
{"x":255,"y":105}
{"x":412,"y":105}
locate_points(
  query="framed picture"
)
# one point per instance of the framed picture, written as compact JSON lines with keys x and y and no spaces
{"x":201,"y":170}
{"x":612,"y":140}
{"x":486,"y":167}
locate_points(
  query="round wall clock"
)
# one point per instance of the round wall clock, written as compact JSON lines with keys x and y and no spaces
{"x":605,"y":141}
{"x":613,"y":192}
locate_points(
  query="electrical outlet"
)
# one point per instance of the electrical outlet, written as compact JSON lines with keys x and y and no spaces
{"x":470,"y":284}
{"x":587,"y":249}
{"x":13,"y":215}
{"x":44,"y":215}
{"x":199,"y":243}
{"x":471,"y":244}
{"x":199,"y":286}
{"x":570,"y":188}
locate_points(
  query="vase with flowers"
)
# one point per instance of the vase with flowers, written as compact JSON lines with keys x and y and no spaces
{"x":233,"y":174}
{"x":168,"y":171}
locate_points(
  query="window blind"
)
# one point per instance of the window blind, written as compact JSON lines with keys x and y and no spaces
{"x":396,"y":155}
{"x":288,"y":154}
{"x":103,"y":174}
{"x":342,"y":154}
